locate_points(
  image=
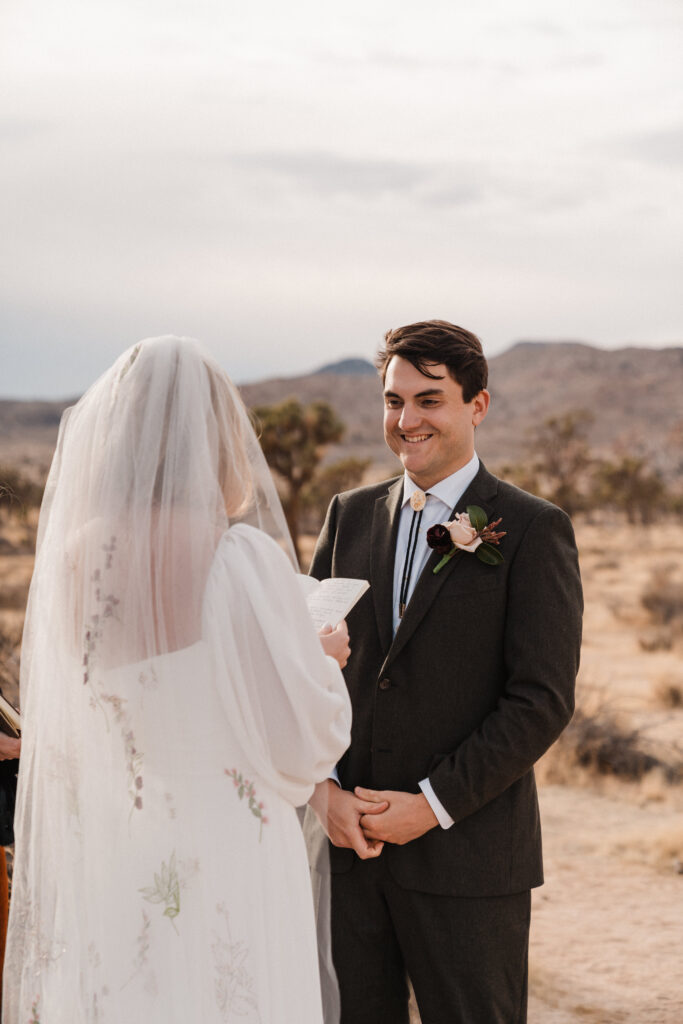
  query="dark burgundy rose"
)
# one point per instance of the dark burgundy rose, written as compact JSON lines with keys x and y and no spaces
{"x":439,"y":538}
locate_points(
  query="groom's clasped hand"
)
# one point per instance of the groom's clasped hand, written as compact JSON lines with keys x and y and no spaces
{"x":365,"y":819}
{"x":395,"y":817}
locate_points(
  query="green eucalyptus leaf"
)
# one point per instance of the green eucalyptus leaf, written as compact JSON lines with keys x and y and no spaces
{"x":478,"y":517}
{"x":488,"y":554}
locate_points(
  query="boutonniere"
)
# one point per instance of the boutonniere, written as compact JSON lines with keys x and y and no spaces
{"x":468,"y":531}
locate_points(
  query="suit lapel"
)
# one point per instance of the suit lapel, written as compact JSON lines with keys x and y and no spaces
{"x":481,"y":492}
{"x":385,"y":520}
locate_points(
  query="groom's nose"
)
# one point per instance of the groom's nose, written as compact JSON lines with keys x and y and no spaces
{"x":410,"y":417}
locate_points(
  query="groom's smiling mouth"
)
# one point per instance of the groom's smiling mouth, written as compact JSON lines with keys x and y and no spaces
{"x":416,"y":438}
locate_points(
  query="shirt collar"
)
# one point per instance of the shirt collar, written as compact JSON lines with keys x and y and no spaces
{"x":450,"y":489}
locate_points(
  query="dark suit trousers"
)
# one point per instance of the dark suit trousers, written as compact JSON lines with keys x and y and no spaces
{"x":466,"y":958}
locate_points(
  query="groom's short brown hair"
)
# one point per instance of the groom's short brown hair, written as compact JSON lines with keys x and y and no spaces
{"x":436,"y":341}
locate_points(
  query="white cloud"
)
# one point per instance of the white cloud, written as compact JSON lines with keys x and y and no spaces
{"x":287,"y":181}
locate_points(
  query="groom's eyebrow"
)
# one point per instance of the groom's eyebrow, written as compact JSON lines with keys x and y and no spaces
{"x":419,"y":394}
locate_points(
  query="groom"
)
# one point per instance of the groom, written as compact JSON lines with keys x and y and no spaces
{"x":460,"y":680}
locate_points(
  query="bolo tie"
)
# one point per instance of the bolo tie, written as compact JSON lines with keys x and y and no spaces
{"x":418,"y":500}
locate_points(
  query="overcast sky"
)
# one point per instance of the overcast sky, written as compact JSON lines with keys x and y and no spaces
{"x":285,"y":181}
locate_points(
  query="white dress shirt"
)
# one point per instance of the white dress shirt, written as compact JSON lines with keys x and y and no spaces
{"x":441,"y":499}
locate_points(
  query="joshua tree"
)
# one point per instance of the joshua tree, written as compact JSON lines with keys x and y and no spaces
{"x":562,"y":460}
{"x":294,"y":438}
{"x":632,"y":486}
{"x":338,"y":476}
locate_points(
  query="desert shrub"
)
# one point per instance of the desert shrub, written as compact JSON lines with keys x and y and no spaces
{"x":600,"y":743}
{"x":663,"y":598}
{"x":17,"y":493}
{"x":9,"y":662}
{"x":14,"y":597}
{"x":521,"y":474}
{"x":561,"y":467}
{"x":7,"y":547}
{"x":607,"y":564}
{"x":668,"y":692}
{"x":658,"y":846}
{"x":656,"y":640}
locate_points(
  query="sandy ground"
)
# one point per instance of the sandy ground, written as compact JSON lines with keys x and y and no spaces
{"x":607,"y":928}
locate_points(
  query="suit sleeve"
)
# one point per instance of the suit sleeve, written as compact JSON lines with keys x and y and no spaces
{"x":321,"y":563}
{"x":541,"y":648}
{"x":321,"y":567}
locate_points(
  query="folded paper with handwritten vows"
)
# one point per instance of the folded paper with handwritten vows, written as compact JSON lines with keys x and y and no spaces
{"x":331,"y":600}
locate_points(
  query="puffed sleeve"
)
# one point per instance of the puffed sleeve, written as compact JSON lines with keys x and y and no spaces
{"x":286,"y":701}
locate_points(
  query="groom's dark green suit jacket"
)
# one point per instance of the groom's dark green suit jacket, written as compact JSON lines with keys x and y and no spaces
{"x":476,"y":684}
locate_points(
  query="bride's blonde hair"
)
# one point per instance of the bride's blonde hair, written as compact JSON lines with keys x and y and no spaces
{"x":231,"y":419}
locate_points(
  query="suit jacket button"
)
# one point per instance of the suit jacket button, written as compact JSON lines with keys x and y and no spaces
{"x":384,"y":684}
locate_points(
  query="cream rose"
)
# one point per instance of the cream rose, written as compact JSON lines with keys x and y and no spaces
{"x":462,"y":533}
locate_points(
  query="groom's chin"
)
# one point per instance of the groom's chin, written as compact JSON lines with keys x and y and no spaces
{"x":412,"y":462}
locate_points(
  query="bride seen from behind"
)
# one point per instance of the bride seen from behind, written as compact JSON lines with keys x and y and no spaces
{"x":177,"y":707}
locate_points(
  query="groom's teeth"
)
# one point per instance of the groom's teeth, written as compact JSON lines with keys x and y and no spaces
{"x":420,"y":437}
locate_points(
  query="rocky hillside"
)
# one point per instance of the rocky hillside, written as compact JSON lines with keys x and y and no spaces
{"x":631,"y":397}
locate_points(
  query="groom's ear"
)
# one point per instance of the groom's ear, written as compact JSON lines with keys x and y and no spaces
{"x":480,"y":406}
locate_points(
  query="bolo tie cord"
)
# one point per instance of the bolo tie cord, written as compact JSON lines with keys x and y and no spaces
{"x":409,"y":559}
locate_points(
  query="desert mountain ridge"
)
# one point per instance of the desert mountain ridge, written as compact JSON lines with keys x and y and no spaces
{"x":629,"y":396}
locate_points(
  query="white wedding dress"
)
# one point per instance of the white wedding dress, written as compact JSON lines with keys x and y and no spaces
{"x":177,"y":706}
{"x":183,"y":895}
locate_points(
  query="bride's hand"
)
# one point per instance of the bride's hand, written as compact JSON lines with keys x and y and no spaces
{"x":340,"y":811}
{"x":336,"y":642}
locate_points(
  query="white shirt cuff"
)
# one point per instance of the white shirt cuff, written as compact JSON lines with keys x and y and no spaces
{"x":442,"y":815}
{"x":334,"y":775}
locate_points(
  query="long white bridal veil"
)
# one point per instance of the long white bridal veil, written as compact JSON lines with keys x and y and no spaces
{"x":152,"y":465}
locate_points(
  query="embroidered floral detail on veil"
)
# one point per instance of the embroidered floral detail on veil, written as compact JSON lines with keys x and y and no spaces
{"x":166,"y":890}
{"x":134,"y":759}
{"x":95,"y":625}
{"x":246,"y":788}
{"x":233,"y":985}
